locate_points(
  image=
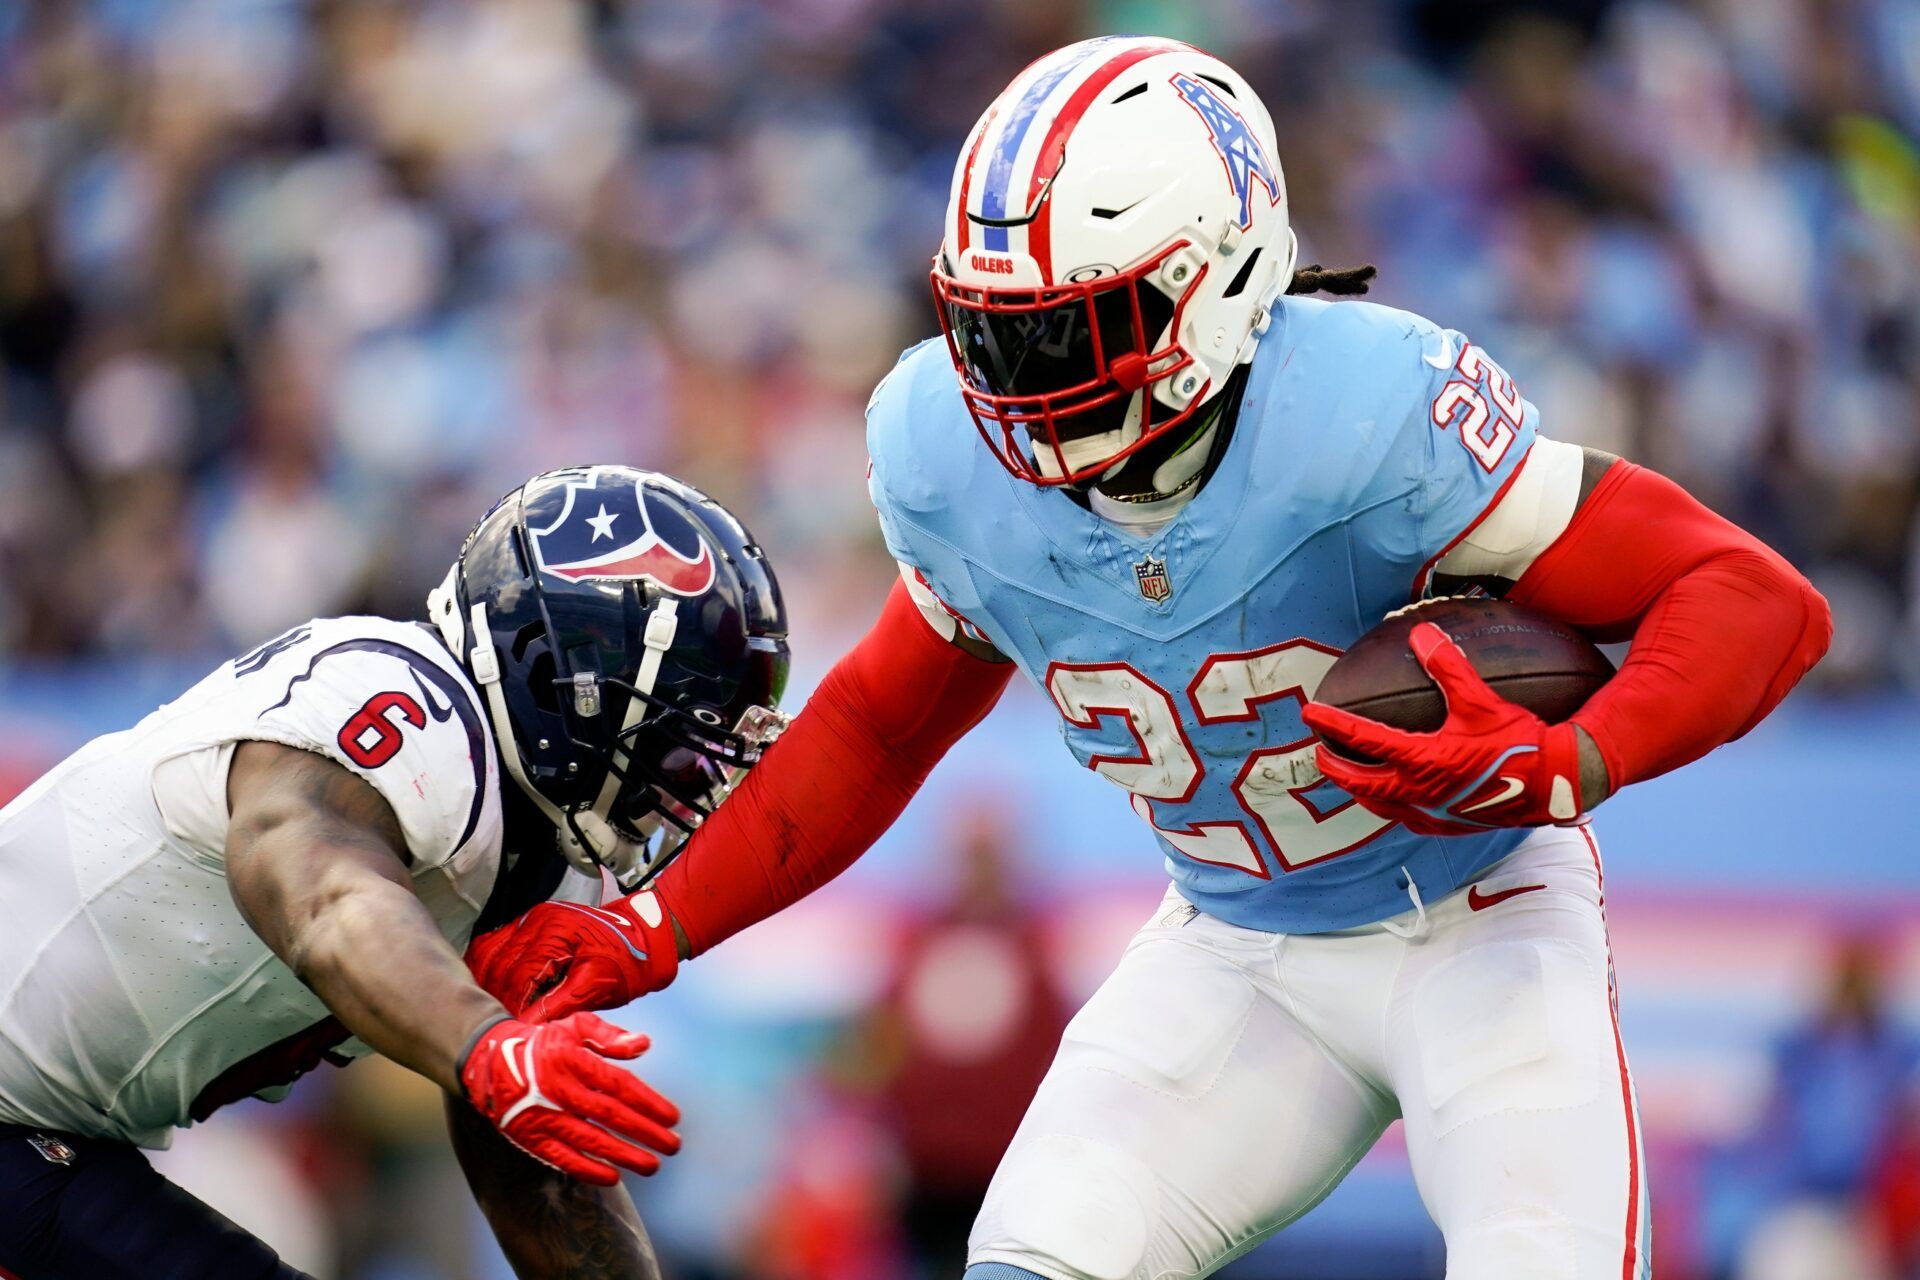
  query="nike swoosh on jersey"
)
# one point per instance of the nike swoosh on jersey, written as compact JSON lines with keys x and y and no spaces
{"x":1512,"y":787}
{"x":1479,"y":901}
{"x":439,"y":709}
{"x":1445,"y":359}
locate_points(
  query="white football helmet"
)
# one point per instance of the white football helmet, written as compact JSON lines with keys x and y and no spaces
{"x":1116,"y":236}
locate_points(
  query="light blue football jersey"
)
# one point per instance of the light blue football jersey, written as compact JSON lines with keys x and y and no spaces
{"x":1368,"y":442}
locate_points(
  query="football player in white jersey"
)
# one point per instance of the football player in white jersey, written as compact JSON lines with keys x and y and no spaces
{"x":282,"y":867}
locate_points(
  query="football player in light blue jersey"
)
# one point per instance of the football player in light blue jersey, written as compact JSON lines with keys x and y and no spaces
{"x":1171,"y":491}
{"x":1161,"y":627}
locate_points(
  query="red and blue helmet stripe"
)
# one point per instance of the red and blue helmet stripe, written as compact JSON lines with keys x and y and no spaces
{"x":1004,"y":174}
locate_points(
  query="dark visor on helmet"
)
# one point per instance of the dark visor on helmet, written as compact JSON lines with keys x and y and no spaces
{"x":1043,"y":350}
{"x":1043,"y":365}
{"x":678,"y":763}
{"x":1074,"y":354}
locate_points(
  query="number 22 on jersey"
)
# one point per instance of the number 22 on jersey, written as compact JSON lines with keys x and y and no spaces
{"x":1272,"y":783}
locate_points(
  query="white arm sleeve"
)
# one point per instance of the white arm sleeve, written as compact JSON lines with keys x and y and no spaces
{"x":1533,"y":512}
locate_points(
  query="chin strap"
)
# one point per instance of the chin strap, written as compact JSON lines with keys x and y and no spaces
{"x":1173,"y":484}
{"x":663,"y":622}
{"x":586,"y":838}
{"x":1175,"y":481}
{"x":1178,"y":473}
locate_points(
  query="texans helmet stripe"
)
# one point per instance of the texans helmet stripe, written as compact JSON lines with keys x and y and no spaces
{"x":621,"y":517}
{"x":658,"y":563}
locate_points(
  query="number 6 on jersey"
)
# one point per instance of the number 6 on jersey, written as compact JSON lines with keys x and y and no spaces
{"x":370,"y":737}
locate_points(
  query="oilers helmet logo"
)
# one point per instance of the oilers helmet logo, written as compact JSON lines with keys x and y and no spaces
{"x":610,"y":531}
{"x":1246,"y":160}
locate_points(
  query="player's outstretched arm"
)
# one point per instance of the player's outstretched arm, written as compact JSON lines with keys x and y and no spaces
{"x":548,"y":1224}
{"x":836,"y":780}
{"x":833,"y":783}
{"x":318,"y":865}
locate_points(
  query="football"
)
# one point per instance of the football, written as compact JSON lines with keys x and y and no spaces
{"x":1543,"y":665}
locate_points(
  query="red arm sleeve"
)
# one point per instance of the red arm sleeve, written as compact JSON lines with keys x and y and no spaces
{"x":1722,"y":626}
{"x":835,"y":780}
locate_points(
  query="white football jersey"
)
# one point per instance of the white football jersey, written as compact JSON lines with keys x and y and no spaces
{"x":133,"y":996}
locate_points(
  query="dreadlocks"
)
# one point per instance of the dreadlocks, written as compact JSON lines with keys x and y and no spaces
{"x":1343,"y":282}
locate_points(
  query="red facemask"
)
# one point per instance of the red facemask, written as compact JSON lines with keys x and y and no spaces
{"x":1063,"y":362}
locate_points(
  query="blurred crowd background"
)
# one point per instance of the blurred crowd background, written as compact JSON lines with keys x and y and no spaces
{"x":289,"y":292}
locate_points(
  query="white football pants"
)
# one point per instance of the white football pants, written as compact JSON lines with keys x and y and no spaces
{"x":1223,"y":1080}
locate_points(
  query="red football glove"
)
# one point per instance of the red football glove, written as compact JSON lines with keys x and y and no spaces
{"x":554,"y":1092}
{"x":561,"y":957}
{"x":1492,"y":764}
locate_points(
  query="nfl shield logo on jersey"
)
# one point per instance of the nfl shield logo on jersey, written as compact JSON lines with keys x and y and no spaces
{"x":53,"y":1150}
{"x":609,"y":530}
{"x":1154,"y":584}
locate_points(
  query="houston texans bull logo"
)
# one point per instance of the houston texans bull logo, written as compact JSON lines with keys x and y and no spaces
{"x":608,"y":531}
{"x":1246,"y":160}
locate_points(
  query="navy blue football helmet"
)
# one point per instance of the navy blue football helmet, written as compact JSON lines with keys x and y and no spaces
{"x":630,"y":641}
